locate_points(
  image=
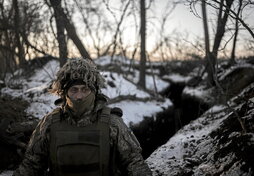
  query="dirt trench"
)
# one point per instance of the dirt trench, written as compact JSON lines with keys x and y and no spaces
{"x":153,"y":132}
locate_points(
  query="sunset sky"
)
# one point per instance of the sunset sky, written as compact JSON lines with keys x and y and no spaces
{"x":184,"y":21}
{"x":182,"y":25}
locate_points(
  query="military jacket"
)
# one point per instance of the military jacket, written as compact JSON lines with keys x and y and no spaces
{"x":125,"y":151}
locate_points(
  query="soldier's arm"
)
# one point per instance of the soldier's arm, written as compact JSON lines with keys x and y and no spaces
{"x":35,"y":161}
{"x":129,"y":150}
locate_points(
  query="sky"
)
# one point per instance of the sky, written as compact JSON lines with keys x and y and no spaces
{"x":183,"y":20}
{"x":182,"y":25}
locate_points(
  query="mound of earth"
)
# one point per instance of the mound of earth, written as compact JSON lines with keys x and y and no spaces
{"x":15,"y":131}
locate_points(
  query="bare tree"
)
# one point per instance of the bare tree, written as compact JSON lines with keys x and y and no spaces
{"x":117,"y":31}
{"x":164,"y":38}
{"x":89,"y":11}
{"x":60,"y":26}
{"x":222,"y":18}
{"x":20,"y":26}
{"x":7,"y":48}
{"x":232,"y":58}
{"x":70,"y":28}
{"x":210,"y":60}
{"x":233,"y":15}
{"x":142,"y":69}
{"x":221,"y":24}
{"x":71,"y":31}
{"x":20,"y":46}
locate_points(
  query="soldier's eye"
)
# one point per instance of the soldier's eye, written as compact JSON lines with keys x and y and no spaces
{"x":86,"y":89}
{"x":73,"y":89}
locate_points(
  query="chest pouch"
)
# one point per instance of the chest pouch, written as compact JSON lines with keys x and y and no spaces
{"x":79,"y":151}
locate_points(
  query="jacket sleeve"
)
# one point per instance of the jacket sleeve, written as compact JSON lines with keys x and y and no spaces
{"x":128,"y":150}
{"x":35,"y":162}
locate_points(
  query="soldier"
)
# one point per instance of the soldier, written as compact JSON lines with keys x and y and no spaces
{"x":83,"y":136}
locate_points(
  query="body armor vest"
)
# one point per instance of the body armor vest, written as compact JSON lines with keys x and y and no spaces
{"x":80,"y":151}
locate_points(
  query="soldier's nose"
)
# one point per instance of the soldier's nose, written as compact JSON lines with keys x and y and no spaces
{"x":79,"y":95}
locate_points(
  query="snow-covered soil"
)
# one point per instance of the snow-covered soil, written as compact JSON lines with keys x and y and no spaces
{"x":179,"y":148}
{"x":153,"y":81}
{"x":220,"y":142}
{"x":6,"y":173}
{"x":34,"y":90}
{"x":214,"y":144}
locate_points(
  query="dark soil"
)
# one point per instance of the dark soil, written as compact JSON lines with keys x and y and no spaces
{"x":13,"y":108}
{"x":154,"y":132}
{"x":36,"y":63}
{"x":235,"y":138}
{"x":11,"y":111}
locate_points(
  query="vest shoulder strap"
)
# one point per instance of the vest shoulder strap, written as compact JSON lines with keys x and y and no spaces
{"x":104,"y":123}
{"x":107,"y":111}
{"x":56,"y":115}
{"x":105,"y":114}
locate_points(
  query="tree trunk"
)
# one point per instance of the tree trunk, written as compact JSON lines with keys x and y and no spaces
{"x":9,"y":53}
{"x":245,"y":25}
{"x":21,"y":52}
{"x":210,"y":63}
{"x":62,"y":44}
{"x":232,"y":59}
{"x":71,"y":31}
{"x":117,"y":33}
{"x":142,"y":72}
{"x":221,"y":28}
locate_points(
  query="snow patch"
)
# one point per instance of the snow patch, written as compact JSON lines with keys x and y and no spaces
{"x":177,"y":78}
{"x":35,"y":91}
{"x":134,"y":111}
{"x":6,"y":173}
{"x":172,"y":154}
{"x":121,"y":86}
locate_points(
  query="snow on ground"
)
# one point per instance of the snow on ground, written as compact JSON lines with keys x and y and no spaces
{"x":120,"y":60}
{"x":168,"y":158}
{"x":151,"y":79}
{"x":34,"y":90}
{"x":177,"y":78}
{"x":134,"y":111}
{"x":6,"y":173}
{"x":199,"y":92}
{"x":172,"y":154}
{"x":156,"y":80}
{"x":240,"y":64}
{"x":121,"y":86}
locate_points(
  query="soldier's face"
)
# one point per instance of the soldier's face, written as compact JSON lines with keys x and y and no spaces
{"x":78,"y":92}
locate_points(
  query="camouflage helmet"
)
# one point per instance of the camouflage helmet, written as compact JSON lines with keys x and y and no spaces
{"x":77,"y":69}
